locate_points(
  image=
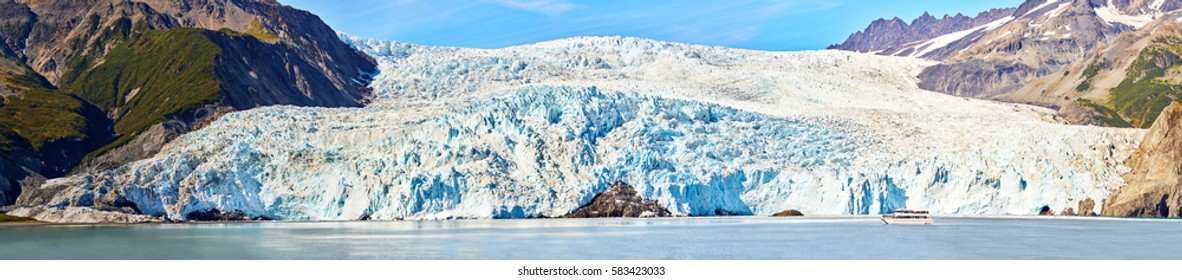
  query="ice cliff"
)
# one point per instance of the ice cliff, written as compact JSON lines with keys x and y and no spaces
{"x":538,"y":130}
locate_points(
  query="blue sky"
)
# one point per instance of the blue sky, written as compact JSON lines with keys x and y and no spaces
{"x":749,"y":24}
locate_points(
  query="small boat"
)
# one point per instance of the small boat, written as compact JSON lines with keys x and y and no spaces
{"x":908,"y":217}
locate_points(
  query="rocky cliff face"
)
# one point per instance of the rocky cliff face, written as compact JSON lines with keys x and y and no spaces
{"x":1155,"y":183}
{"x":101,"y":83}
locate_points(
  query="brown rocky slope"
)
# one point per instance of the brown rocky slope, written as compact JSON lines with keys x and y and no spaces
{"x":1155,"y":184}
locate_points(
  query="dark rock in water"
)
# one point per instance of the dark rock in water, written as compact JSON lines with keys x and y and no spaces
{"x":724,"y":212}
{"x":788,"y":213}
{"x":621,"y":201}
{"x":216,"y":215}
{"x":1086,"y":206}
{"x":1046,"y":211}
{"x":1067,"y":212}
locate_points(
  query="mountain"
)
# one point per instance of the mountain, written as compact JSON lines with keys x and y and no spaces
{"x":1125,"y":83}
{"x":1155,"y":183}
{"x":540,"y":130}
{"x":1036,"y":39}
{"x":888,"y":34}
{"x":96,"y":84}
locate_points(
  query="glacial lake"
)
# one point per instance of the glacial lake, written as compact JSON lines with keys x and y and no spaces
{"x":673,"y":238}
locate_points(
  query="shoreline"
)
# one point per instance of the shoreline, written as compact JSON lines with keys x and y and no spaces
{"x":814,"y":217}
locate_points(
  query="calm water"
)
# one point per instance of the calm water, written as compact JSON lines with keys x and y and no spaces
{"x":677,"y":238}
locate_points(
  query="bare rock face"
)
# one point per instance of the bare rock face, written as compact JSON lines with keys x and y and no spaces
{"x":1067,"y":212}
{"x":621,"y":201}
{"x":1155,"y":184}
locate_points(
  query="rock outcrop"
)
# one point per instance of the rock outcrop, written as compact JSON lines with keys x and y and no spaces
{"x":1087,"y":207}
{"x":621,"y":201}
{"x":80,"y":215}
{"x":1046,"y":211}
{"x":1155,"y":184}
{"x":788,"y":213}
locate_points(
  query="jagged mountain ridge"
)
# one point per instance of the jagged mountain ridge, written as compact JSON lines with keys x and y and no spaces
{"x":538,"y":130}
{"x":884,"y":35}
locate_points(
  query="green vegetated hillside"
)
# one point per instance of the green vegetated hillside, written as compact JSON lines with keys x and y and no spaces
{"x":145,"y":77}
{"x":38,"y":114}
{"x":1152,"y":82}
{"x":153,"y":74}
{"x":1104,"y":116}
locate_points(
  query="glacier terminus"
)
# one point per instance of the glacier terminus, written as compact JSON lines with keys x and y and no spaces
{"x":538,"y":130}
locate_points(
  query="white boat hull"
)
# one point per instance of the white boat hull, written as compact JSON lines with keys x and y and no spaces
{"x":894,"y":221}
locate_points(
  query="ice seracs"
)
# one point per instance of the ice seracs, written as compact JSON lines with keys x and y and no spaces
{"x":538,"y":130}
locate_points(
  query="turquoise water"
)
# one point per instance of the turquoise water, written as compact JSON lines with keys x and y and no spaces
{"x":674,"y":238}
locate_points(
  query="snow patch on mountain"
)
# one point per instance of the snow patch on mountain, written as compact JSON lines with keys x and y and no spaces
{"x":1040,"y":6}
{"x":538,"y":130}
{"x":1109,"y":13}
{"x":943,"y":41}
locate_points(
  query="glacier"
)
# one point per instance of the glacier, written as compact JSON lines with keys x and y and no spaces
{"x":538,"y":130}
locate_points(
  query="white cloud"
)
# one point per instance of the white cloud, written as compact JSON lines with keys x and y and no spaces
{"x":549,"y":7}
